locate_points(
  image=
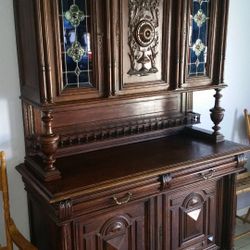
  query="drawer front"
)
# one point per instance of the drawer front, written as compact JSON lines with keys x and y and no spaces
{"x":115,"y":198}
{"x":193,"y":174}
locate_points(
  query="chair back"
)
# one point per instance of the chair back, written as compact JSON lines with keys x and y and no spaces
{"x":13,"y":236}
{"x":5,"y":196}
{"x":247,"y":120}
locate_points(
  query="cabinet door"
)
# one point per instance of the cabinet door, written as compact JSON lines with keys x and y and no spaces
{"x":77,"y":32}
{"x":140,"y":51}
{"x":190,"y":217}
{"x":202,"y":46}
{"x":122,"y":229}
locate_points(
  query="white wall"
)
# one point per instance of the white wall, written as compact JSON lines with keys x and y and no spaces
{"x":11,"y":128}
{"x":236,"y":96}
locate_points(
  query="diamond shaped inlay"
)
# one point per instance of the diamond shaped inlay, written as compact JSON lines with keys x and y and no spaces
{"x":198,"y":47}
{"x":200,"y":18}
{"x":195,"y":214}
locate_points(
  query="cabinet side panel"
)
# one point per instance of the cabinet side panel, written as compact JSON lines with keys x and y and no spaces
{"x":27,"y":49}
{"x":44,"y":233}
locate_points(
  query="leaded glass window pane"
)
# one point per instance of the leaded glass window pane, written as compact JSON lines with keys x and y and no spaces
{"x":76,"y":43}
{"x":198,"y":37}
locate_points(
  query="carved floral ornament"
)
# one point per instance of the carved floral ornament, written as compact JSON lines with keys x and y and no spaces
{"x":143,"y":37}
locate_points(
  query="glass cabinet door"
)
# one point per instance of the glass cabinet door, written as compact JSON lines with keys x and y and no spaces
{"x":76,"y":41}
{"x":204,"y":29}
{"x":198,"y":37}
{"x":79,"y":26}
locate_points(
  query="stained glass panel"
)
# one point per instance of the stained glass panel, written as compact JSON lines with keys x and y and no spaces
{"x":198,"y":37}
{"x":76,"y":43}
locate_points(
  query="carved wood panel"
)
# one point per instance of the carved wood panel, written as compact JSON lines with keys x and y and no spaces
{"x":122,"y":229}
{"x":192,"y":216}
{"x":141,"y":45}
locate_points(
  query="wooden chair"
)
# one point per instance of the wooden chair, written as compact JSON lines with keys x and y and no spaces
{"x":13,"y":236}
{"x":247,"y":120}
{"x":243,"y":181}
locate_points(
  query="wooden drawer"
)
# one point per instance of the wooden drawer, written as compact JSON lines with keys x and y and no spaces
{"x":117,"y":197}
{"x":202,"y":172}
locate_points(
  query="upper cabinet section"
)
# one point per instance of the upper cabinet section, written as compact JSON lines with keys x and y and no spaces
{"x":89,"y":49}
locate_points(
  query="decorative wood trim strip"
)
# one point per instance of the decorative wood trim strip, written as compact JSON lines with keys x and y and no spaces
{"x":183,"y":42}
{"x":44,"y":97}
{"x":127,"y":129}
{"x":67,"y":239}
{"x":177,"y":53}
{"x":46,"y":57}
{"x":108,"y":47}
{"x":167,"y":44}
{"x":225,"y":11}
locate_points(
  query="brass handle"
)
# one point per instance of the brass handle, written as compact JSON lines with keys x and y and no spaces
{"x":124,"y":201}
{"x":208,"y":175}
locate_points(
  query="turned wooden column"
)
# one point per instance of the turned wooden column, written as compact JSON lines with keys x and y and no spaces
{"x":49,"y":144}
{"x":217,"y":115}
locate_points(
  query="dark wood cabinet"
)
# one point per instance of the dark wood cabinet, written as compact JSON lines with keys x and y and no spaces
{"x":113,"y":159}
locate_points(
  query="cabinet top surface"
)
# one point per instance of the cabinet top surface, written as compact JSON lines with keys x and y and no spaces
{"x":120,"y":165}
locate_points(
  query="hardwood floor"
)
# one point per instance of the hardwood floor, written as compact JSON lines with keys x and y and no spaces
{"x":244,"y":242}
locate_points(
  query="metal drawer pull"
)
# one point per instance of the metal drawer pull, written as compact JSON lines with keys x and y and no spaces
{"x":208,"y":175}
{"x":124,"y":201}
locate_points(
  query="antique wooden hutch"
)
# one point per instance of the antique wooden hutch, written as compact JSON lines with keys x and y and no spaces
{"x":113,"y":160}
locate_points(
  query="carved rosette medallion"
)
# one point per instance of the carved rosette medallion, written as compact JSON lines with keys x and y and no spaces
{"x":143,"y":36}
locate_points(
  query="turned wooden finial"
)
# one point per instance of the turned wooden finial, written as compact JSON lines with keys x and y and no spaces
{"x":49,"y":144}
{"x":217,"y":115}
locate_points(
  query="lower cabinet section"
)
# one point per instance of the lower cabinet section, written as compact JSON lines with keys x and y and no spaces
{"x":191,"y":208}
{"x":189,"y":218}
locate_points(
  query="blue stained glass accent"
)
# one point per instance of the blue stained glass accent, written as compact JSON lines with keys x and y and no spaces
{"x":203,"y":34}
{"x":193,"y":56}
{"x":76,"y":43}
{"x":198,"y":42}
{"x":195,"y":33}
{"x":201,"y":68}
